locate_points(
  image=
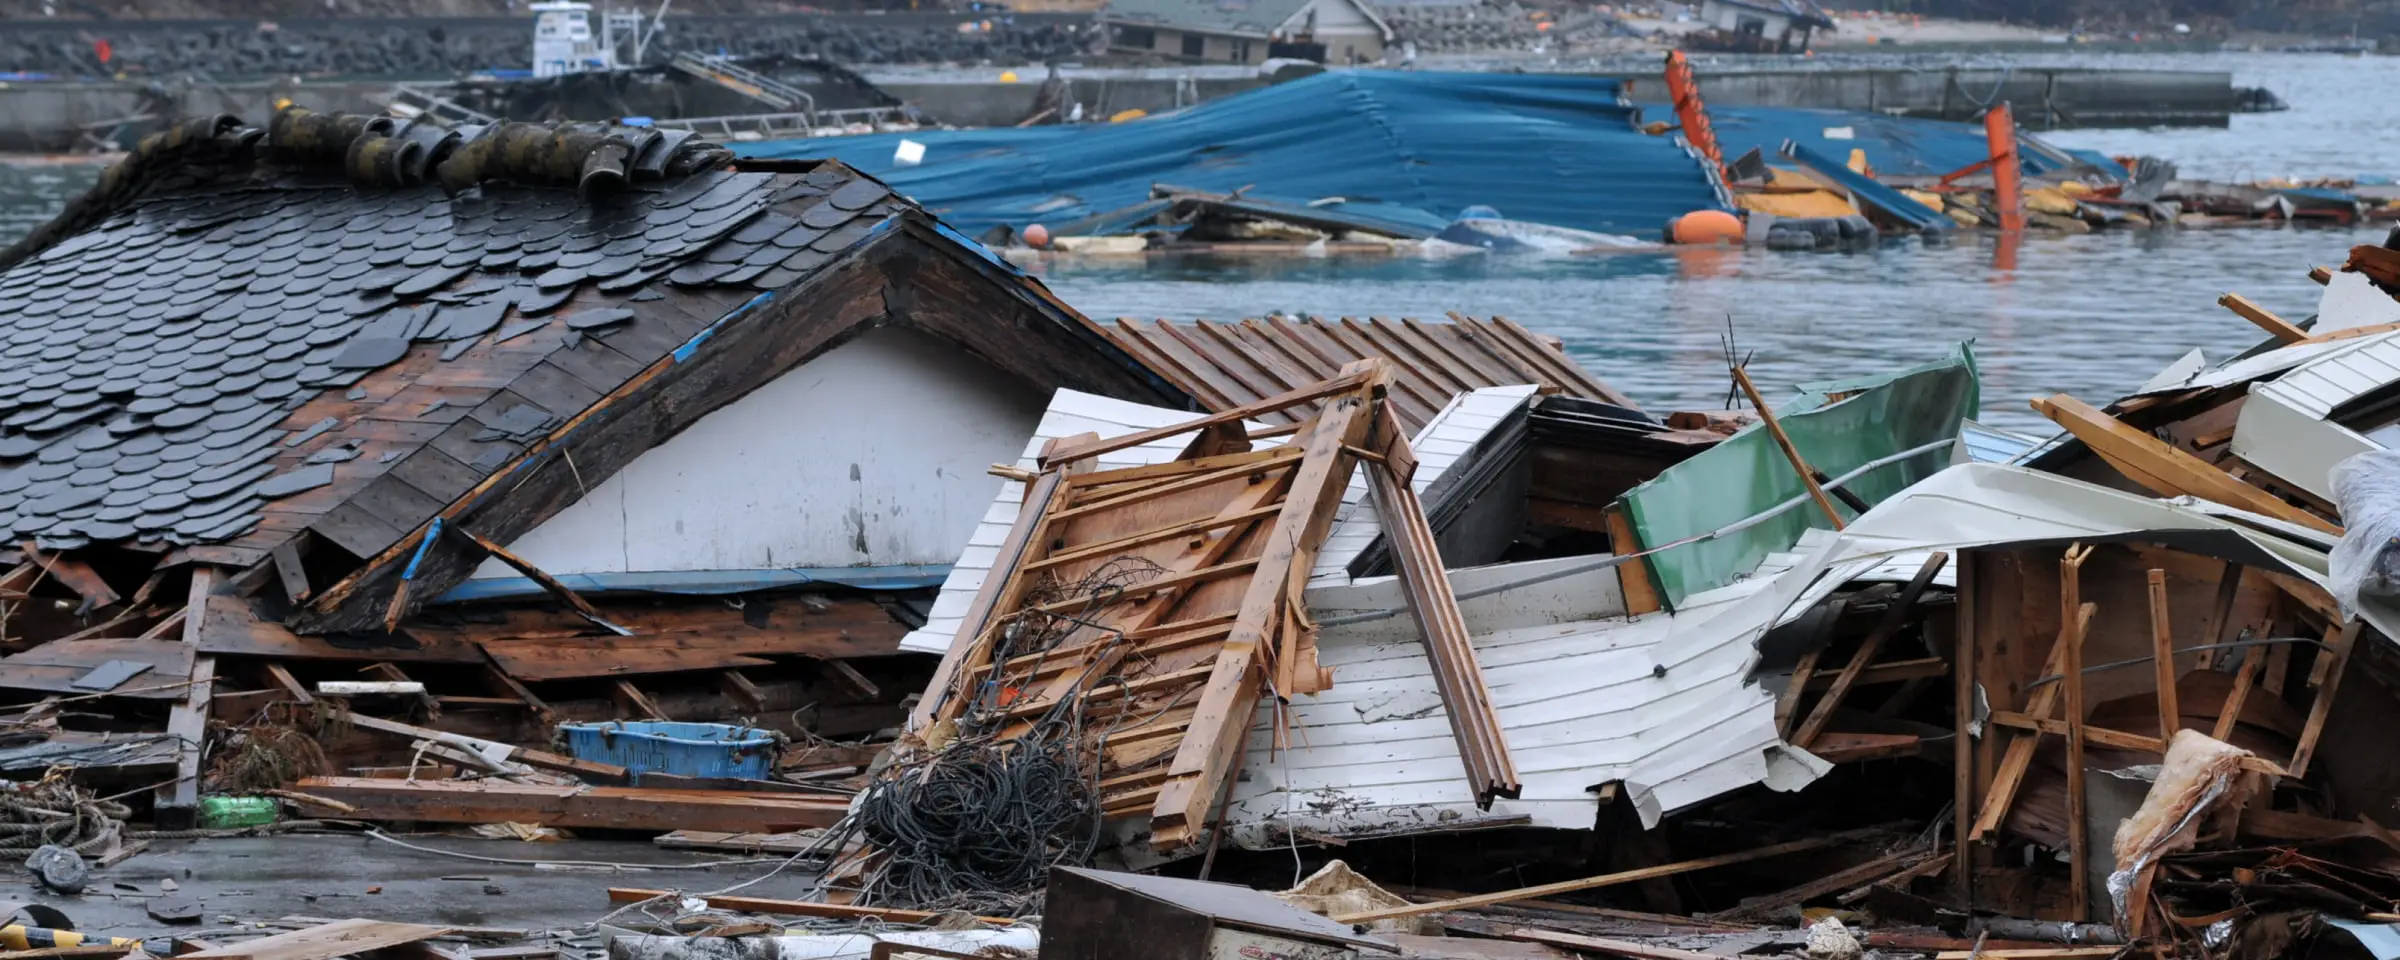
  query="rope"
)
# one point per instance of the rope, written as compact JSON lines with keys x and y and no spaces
{"x":54,"y":812}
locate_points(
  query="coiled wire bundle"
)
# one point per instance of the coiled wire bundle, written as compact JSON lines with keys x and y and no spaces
{"x":981,"y":819}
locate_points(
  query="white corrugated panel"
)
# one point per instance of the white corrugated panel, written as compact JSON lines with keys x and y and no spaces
{"x":2282,"y":427}
{"x":1661,"y":703}
{"x":2336,"y":377}
{"x":1070,"y":413}
{"x":1462,"y":424}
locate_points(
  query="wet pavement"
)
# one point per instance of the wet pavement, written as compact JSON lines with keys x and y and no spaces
{"x":249,"y":879}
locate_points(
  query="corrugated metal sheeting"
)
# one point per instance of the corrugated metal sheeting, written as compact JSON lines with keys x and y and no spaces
{"x":1438,"y":446}
{"x":1225,"y":364}
{"x":1561,"y":150}
{"x":2285,"y":428}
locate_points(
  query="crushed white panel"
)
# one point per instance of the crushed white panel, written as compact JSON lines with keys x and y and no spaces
{"x":2351,"y":300}
{"x":1661,"y":703}
{"x":2180,"y":372}
{"x":2258,"y":367}
{"x":1070,"y":413}
{"x":2282,"y":427}
{"x":1463,"y":423}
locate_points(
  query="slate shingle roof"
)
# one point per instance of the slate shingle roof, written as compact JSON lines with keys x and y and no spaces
{"x":344,"y":324}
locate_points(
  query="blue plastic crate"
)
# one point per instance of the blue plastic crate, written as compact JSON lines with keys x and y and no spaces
{"x":712,"y":750}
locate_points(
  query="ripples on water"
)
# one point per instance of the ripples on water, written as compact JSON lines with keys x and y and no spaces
{"x":2092,"y":315}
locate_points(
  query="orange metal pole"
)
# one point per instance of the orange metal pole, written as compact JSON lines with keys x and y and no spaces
{"x":1685,"y":92}
{"x":2008,"y":190}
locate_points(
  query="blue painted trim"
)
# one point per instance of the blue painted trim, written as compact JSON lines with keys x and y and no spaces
{"x":708,"y":582}
{"x":1866,"y":190}
{"x":692,"y":346}
{"x":432,"y":530}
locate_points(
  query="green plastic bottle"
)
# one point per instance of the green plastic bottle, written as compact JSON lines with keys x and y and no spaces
{"x":229,"y":813}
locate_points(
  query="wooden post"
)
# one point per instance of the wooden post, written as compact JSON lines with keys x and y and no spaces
{"x":1868,"y":648}
{"x":2339,"y":651}
{"x":178,"y":803}
{"x":2162,"y":654}
{"x":2220,"y":613}
{"x":2252,"y":659}
{"x":1962,"y":741}
{"x":1808,"y":477}
{"x":2000,"y":135}
{"x":2072,"y":607}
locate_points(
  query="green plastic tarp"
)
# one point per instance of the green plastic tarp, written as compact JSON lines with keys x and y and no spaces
{"x":1838,"y":427}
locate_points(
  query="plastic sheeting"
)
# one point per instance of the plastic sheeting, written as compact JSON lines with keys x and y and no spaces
{"x":2365,"y":565}
{"x":1561,"y":150}
{"x":1748,"y":474}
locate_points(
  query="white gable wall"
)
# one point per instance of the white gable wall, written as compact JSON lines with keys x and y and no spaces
{"x":872,"y":454}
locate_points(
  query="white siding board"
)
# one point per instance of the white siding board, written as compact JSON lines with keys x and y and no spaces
{"x":1453,"y":431}
{"x":804,"y":472}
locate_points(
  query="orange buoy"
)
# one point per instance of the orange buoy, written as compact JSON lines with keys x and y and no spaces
{"x":1708,"y":226}
{"x":1037,"y":236}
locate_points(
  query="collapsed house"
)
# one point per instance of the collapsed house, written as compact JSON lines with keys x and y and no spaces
{"x":495,"y":415}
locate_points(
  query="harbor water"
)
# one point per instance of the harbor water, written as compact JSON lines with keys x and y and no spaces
{"x":2092,"y":315}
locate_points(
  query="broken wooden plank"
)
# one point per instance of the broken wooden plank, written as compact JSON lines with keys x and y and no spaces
{"x":1894,"y":617}
{"x":2339,"y":654}
{"x":178,"y":804}
{"x":1353,"y":376}
{"x":1449,"y":649}
{"x":547,"y":582}
{"x":621,"y":808}
{"x":2011,"y":772}
{"x":2275,"y":326}
{"x":1228,"y":701}
{"x":2093,"y":736}
{"x":1783,"y":441}
{"x":2162,"y":657}
{"x":2231,"y":712}
{"x":1827,"y":885}
{"x":2163,"y":469}
{"x":601,"y":772}
{"x":341,"y":938}
{"x":1600,"y":945}
{"x":1837,"y":747}
{"x":799,"y":908}
{"x":2078,"y":836}
{"x":1603,"y":880}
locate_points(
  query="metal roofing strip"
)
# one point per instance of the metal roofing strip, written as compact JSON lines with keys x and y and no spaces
{"x":1418,"y":400}
{"x":1400,"y":343}
{"x":1278,"y":376}
{"x":1572,"y":377}
{"x":1456,"y":344}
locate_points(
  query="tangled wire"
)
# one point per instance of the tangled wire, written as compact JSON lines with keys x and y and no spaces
{"x":55,"y":812}
{"x":981,"y":819}
{"x":977,"y":824}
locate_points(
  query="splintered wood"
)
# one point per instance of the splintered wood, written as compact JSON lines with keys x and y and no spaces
{"x":1147,"y":611}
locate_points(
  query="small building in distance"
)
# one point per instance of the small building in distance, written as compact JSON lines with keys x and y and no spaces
{"x":1758,"y":26}
{"x":1248,"y":31}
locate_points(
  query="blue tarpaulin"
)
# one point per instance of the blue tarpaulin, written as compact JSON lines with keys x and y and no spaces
{"x":1896,"y":146}
{"x":1561,"y":150}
